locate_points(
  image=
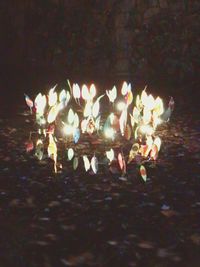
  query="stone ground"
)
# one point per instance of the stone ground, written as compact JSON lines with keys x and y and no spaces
{"x":78,"y":219}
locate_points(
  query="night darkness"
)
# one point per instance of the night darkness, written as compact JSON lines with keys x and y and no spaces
{"x":117,"y":216}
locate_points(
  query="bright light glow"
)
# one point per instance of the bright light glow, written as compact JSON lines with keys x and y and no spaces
{"x":123,"y":121}
{"x":121,"y":106}
{"x":138,"y":101}
{"x":76,"y":120}
{"x":70,"y":153}
{"x":85,"y":93}
{"x":86,"y":162}
{"x":129,"y":98}
{"x":112,"y":116}
{"x":146,"y":129}
{"x":52,"y":97}
{"x":158,"y":109}
{"x":136,"y":115}
{"x":68,"y":129}
{"x":93,"y":91}
{"x":110,"y":154}
{"x":76,"y":90}
{"x":156,"y":121}
{"x":146,"y":115}
{"x":149,"y":141}
{"x":112,"y":94}
{"x":53,"y":114}
{"x":88,"y":109}
{"x":124,"y":89}
{"x":52,"y":151}
{"x":84,"y":124}
{"x":70,"y":116}
{"x":109,"y":133}
{"x":144,"y":98}
{"x":40,"y":103}
{"x":62,"y":95}
{"x":151,"y":102}
{"x":158,"y":142}
{"x":95,"y":108}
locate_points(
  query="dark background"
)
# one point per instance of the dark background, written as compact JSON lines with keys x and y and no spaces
{"x":74,"y":218}
{"x":146,"y":42}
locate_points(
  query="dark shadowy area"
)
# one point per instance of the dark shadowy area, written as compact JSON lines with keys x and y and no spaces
{"x":77,"y":219}
{"x":147,"y":42}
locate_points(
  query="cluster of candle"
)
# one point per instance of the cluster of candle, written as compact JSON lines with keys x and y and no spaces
{"x":78,"y":112}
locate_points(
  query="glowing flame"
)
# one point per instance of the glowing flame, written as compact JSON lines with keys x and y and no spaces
{"x":92,"y":91}
{"x":147,"y":113}
{"x":95,"y":108}
{"x":68,"y":129}
{"x":112,"y":94}
{"x":121,"y":106}
{"x":53,"y":113}
{"x":52,"y":151}
{"x":146,"y":129}
{"x":76,"y":91}
{"x":124,"y":89}
{"x":70,"y":116}
{"x":40,"y":103}
{"x":88,"y":109}
{"x":110,"y":155}
{"x":109,"y":133}
{"x":53,"y":97}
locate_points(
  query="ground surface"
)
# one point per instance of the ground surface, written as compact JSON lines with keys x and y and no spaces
{"x":74,"y":219}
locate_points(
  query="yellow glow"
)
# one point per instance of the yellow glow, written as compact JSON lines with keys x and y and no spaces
{"x":53,"y":114}
{"x":129,"y":97}
{"x":52,"y":151}
{"x":158,"y":109}
{"x":138,"y":102}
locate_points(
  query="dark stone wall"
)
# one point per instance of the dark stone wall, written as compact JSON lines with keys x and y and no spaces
{"x":143,"y":39}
